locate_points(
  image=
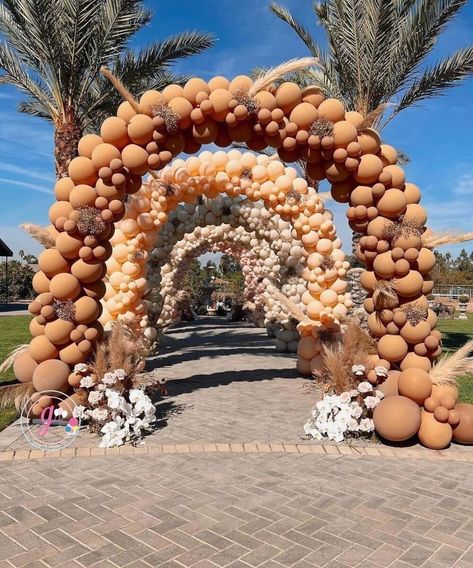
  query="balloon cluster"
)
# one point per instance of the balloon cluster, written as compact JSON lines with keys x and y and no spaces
{"x":302,"y":125}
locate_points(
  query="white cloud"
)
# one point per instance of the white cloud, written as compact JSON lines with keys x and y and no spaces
{"x":39,"y":188}
{"x":26,"y":172}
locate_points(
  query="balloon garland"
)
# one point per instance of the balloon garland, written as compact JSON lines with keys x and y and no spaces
{"x":302,"y":125}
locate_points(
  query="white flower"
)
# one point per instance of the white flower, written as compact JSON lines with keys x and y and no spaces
{"x":98,"y":414}
{"x":364,"y":387}
{"x":366,"y":425}
{"x":87,"y":382}
{"x":95,"y":397}
{"x":345,"y":397}
{"x":114,"y":398}
{"x":371,"y":401}
{"x":358,"y":370}
{"x":81,"y":368}
{"x":381,"y":371}
{"x":379,"y":394}
{"x":101,"y":387}
{"x":356,"y":410}
{"x":109,"y":379}
{"x":353,"y":393}
{"x":79,"y":412}
{"x":120,"y":374}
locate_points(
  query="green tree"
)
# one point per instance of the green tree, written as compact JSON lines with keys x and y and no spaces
{"x":52,"y":51}
{"x":16,"y":281}
{"x":228,"y":265}
{"x":376,"y":52}
{"x":194,"y":282}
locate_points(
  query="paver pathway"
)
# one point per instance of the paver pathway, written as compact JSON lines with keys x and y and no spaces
{"x":182,"y":501}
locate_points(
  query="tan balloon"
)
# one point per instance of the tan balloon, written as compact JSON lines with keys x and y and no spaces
{"x":51,"y":262}
{"x":41,"y":282}
{"x":413,"y":360}
{"x":390,"y":386}
{"x":87,"y":310}
{"x":411,"y":193}
{"x":439,"y":392}
{"x":415,"y":333}
{"x":392,"y":348}
{"x":65,"y":286}
{"x":417,"y":213}
{"x":72,"y":355}
{"x":135,"y":158}
{"x":344,"y":132}
{"x":87,"y":272}
{"x":103,"y":154}
{"x":397,"y":418}
{"x":411,"y":285}
{"x":62,"y":189}
{"x":114,"y":131}
{"x":288,"y":95}
{"x":42,"y":349}
{"x":36,"y":328}
{"x":392,"y":204}
{"x":369,"y":141}
{"x":51,"y":375}
{"x":432,"y":433}
{"x":416,"y":384}
{"x":82,"y":170}
{"x":83,"y":195}
{"x":369,"y":169}
{"x":60,"y":209}
{"x":24,"y":366}
{"x":193,"y":87}
{"x":463,"y":432}
{"x":303,"y":115}
{"x":69,"y":245}
{"x":332,"y":110}
{"x":150,"y":99}
{"x":58,"y":331}
{"x":87,"y":144}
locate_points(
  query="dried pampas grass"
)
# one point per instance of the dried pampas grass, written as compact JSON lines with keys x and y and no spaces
{"x":450,"y":367}
{"x":292,"y":308}
{"x":12,"y":356}
{"x":373,"y":118}
{"x":384,"y":295}
{"x":434,"y":240}
{"x":355,"y":348}
{"x":41,"y":234}
{"x":275,"y":73}
{"x":120,"y":349}
{"x":16,"y":395}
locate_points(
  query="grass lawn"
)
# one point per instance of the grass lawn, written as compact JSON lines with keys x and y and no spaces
{"x":455,"y":334}
{"x":13,"y":332}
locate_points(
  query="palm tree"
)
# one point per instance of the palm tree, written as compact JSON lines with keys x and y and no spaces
{"x":52,"y":51}
{"x":376,"y":52}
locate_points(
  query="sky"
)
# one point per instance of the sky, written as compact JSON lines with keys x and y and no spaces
{"x":438,"y":136}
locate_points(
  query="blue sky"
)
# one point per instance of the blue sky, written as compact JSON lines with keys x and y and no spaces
{"x":437,"y":136}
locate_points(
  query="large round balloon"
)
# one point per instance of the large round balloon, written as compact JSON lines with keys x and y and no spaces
{"x":397,"y":418}
{"x":463,"y":433}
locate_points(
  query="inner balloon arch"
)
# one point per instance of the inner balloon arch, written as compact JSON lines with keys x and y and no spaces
{"x":88,"y":219}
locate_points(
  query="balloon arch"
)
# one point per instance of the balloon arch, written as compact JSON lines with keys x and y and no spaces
{"x":302,"y":125}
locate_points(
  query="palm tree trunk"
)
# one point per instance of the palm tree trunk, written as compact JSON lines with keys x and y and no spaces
{"x":66,"y":138}
{"x":358,"y":293}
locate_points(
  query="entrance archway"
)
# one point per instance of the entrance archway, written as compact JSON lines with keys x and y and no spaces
{"x":302,"y":125}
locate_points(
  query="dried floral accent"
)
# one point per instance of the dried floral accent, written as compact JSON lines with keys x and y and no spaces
{"x":252,"y":105}
{"x":293,"y":197}
{"x":89,"y":221}
{"x":327,"y":263}
{"x":137,"y":256}
{"x":16,"y":395}
{"x":64,"y":310}
{"x":385,"y":296}
{"x":414,"y":313}
{"x":266,"y":78}
{"x":434,"y":240}
{"x":170,"y":117}
{"x":321,"y":127}
{"x":246,"y":173}
{"x":403,"y":227}
{"x":12,"y":355}
{"x":449,"y":369}
{"x":353,"y":350}
{"x":41,"y":234}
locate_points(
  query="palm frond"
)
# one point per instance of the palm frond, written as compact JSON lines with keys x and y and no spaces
{"x":436,"y":80}
{"x":285,"y":15}
{"x":12,"y":356}
{"x":373,"y":118}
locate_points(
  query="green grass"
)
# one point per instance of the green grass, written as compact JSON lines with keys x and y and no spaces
{"x":14,"y":331}
{"x":455,"y":334}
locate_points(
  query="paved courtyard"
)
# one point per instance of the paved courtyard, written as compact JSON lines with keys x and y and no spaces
{"x":228,"y":482}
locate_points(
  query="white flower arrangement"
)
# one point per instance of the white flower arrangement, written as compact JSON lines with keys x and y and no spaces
{"x":117,"y":411}
{"x":349,"y":414}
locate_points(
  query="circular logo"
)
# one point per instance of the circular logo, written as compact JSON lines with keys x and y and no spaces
{"x":49,"y":421}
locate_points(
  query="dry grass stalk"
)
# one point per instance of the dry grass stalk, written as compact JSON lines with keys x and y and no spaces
{"x":434,"y":240}
{"x":450,"y":367}
{"x":355,"y":348}
{"x":384,"y":295}
{"x":12,"y":356}
{"x":293,"y":309}
{"x":16,"y":395}
{"x":120,"y":349}
{"x":373,"y":117}
{"x":280,"y":71}
{"x":41,"y":234}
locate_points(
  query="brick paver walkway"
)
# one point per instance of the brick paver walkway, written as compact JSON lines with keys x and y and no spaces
{"x":227,"y":481}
